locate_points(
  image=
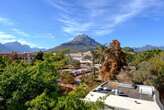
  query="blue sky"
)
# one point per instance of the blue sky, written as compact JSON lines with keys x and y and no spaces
{"x":48,"y":23}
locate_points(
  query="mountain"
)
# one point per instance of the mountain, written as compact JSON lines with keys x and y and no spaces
{"x":147,"y":47}
{"x":3,"y":48}
{"x":16,"y":46}
{"x":79,"y":43}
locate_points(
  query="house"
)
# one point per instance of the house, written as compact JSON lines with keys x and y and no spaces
{"x":122,"y":96}
{"x":80,"y":57}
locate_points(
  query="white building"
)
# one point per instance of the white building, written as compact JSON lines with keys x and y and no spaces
{"x":121,"y":96}
{"x":80,"y":57}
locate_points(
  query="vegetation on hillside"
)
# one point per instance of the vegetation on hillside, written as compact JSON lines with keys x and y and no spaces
{"x":145,"y":67}
{"x":149,"y":68}
{"x":35,"y":86}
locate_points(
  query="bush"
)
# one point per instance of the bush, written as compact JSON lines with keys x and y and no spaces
{"x":67,"y":78}
{"x":151,"y":72}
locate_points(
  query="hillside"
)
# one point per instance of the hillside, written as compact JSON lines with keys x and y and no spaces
{"x":79,"y":43}
{"x":147,"y":47}
{"x":16,"y":46}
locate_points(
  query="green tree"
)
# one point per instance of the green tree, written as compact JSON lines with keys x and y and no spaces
{"x":39,"y":56}
{"x":58,"y":60}
{"x":67,"y":78}
{"x":34,"y":86}
{"x":4,"y":61}
{"x":42,"y":102}
{"x":128,"y":49}
{"x":20,"y":83}
{"x":73,"y":101}
{"x":151,"y":71}
{"x":144,"y":56}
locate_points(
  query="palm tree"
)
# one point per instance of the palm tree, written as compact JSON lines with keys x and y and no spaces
{"x":113,"y":61}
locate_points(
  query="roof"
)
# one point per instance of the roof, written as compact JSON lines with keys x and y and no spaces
{"x":130,"y":103}
{"x":129,"y":90}
{"x":124,"y":96}
{"x":122,"y":102}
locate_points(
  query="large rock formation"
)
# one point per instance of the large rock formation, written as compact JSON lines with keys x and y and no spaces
{"x":114,"y":61}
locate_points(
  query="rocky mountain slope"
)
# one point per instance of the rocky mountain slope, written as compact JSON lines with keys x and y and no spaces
{"x":17,"y":47}
{"x":79,"y":43}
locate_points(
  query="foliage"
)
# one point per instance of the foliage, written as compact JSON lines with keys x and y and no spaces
{"x":75,"y":63}
{"x":67,"y":78}
{"x":151,"y":72}
{"x":4,"y":61}
{"x":41,"y":102}
{"x":73,"y":102}
{"x":128,"y":49}
{"x":144,"y":56}
{"x":21,"y":83}
{"x":143,"y":73}
{"x":34,"y":86}
{"x":158,"y":70}
{"x":39,"y":56}
{"x":114,"y":61}
{"x":98,"y":54}
{"x":90,"y":81}
{"x":58,"y":60}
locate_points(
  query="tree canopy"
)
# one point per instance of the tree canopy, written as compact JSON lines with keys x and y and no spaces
{"x":25,"y":86}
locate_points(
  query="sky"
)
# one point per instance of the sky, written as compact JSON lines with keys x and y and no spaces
{"x":48,"y":23}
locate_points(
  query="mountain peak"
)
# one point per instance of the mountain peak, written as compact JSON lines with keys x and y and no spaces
{"x":85,"y":40}
{"x":17,"y":46}
{"x":80,"y":43}
{"x":15,"y":42}
{"x":81,"y":37}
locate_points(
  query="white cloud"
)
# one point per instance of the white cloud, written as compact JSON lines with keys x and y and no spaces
{"x":25,"y":42}
{"x":19,"y":32}
{"x":100,"y":17}
{"x":6,"y":21}
{"x":60,"y":4}
{"x":6,"y":37}
{"x":50,"y":35}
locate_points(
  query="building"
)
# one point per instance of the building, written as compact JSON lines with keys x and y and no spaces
{"x":22,"y":56}
{"x":80,"y":71}
{"x":122,"y":96}
{"x":80,"y":57}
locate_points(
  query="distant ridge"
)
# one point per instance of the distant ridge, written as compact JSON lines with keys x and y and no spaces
{"x":17,"y":47}
{"x":80,"y":43}
{"x":148,"y":47}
